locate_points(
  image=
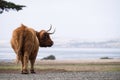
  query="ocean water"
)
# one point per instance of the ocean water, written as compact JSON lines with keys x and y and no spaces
{"x":66,"y":53}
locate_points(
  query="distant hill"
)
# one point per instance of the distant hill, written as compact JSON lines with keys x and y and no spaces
{"x":87,"y":44}
{"x":66,"y":43}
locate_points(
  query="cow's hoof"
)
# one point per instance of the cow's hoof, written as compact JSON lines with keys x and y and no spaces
{"x":32,"y":71}
{"x":24,"y":72}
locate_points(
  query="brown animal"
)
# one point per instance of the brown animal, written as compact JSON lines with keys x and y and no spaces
{"x":26,"y":41}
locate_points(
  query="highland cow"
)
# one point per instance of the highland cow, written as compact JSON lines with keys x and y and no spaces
{"x":25,"y":43}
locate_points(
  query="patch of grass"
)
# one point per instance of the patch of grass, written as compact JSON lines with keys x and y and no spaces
{"x":114,"y":69}
{"x":68,"y":67}
{"x":12,"y":67}
{"x":81,"y":67}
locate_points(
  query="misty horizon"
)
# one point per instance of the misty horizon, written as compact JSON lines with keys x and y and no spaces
{"x":89,"y":20}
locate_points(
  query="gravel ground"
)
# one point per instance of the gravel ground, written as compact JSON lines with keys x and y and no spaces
{"x":62,"y":76}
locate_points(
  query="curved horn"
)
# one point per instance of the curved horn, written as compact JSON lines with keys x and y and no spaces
{"x":50,"y":28}
{"x":52,"y":32}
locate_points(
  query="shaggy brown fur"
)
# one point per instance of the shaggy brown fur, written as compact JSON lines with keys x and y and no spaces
{"x":25,"y":42}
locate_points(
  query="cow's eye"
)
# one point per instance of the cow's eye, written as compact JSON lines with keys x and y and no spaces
{"x":46,"y":37}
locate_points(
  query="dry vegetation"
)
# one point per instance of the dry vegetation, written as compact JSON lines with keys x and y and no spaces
{"x":45,"y":66}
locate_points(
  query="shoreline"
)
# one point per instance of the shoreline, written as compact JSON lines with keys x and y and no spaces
{"x":81,"y":61}
{"x":75,"y":61}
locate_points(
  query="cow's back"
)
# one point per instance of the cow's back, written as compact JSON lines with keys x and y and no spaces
{"x":30,"y":40}
{"x":17,"y":37}
{"x":24,"y":40}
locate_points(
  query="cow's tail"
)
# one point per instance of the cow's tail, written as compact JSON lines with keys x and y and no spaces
{"x":20,"y":51}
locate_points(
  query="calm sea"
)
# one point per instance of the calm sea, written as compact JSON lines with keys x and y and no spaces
{"x":67,"y":53}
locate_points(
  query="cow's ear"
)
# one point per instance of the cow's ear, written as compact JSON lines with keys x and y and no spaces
{"x":37,"y":33}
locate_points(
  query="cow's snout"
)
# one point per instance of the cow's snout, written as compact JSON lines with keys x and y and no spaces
{"x":51,"y":43}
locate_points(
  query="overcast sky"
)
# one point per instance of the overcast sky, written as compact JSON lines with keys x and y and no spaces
{"x":74,"y":19}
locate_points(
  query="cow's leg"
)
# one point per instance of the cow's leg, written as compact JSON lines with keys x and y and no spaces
{"x":25,"y":60}
{"x":22,"y":61}
{"x":32,"y":61}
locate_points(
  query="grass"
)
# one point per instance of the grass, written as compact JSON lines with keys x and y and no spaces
{"x":66,"y":67}
{"x":9,"y":67}
{"x":85,"y":67}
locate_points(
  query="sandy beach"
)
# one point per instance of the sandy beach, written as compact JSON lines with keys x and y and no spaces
{"x":80,"y":61}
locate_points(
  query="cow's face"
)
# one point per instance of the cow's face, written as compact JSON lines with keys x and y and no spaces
{"x":44,"y":38}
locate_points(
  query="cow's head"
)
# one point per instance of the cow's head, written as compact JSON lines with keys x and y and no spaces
{"x":44,"y":38}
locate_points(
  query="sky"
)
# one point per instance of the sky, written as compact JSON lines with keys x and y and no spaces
{"x":73,"y":19}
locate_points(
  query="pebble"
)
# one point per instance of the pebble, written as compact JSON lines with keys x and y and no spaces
{"x":62,"y":76}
